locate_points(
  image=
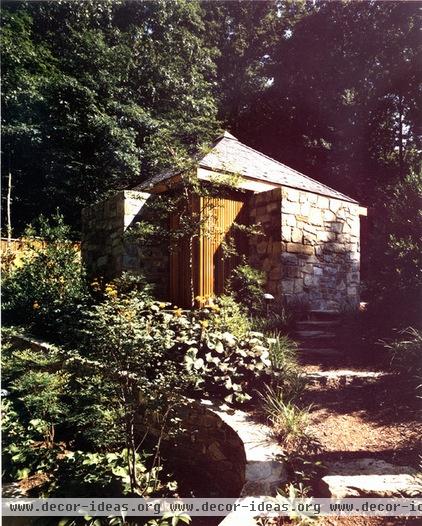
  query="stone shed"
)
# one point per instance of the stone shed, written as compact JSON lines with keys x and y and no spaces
{"x":308,"y":243}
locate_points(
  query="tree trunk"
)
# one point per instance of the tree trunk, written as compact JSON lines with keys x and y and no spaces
{"x":9,"y":204}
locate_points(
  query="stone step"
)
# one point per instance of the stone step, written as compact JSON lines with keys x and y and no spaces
{"x":368,"y":477}
{"x":319,"y":344}
{"x":343,"y":377}
{"x":323,"y":352}
{"x":237,"y":518}
{"x":316,"y":324}
{"x":324,"y":315}
{"x":314,"y":334}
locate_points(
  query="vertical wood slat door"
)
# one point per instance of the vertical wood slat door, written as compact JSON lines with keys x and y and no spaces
{"x":214,"y":266}
{"x":180,"y":264}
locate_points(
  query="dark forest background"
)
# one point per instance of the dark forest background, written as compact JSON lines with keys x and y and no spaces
{"x":100,"y":95}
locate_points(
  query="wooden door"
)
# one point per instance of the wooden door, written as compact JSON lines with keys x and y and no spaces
{"x":183,"y":267}
{"x":215,"y":266}
{"x":210,"y":266}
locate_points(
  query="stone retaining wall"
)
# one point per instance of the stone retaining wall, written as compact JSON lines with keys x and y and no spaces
{"x":209,"y":450}
{"x":310,"y":249}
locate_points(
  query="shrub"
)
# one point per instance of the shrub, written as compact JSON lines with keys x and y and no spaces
{"x":102,"y":474}
{"x":395,"y":260}
{"x":228,"y":316}
{"x":59,"y":400}
{"x":36,"y":405}
{"x":50,"y":281}
{"x":170,"y":351}
{"x":280,"y":316}
{"x":246,"y":284}
{"x":33,"y":379}
{"x":129,"y":341}
{"x":41,"y":392}
{"x":22,"y":452}
{"x":224,"y":365}
{"x":94,"y":419}
{"x":130,"y":333}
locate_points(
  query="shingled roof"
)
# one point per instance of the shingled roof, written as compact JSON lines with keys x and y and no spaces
{"x":229,"y":155}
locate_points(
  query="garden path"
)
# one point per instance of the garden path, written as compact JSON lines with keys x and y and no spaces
{"x":367,"y":423}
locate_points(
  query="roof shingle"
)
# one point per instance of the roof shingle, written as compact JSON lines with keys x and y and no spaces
{"x":229,"y":155}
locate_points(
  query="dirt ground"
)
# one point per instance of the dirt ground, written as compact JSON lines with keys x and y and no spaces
{"x":379,"y":419}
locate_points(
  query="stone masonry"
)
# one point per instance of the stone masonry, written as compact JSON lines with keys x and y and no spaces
{"x":209,"y":449}
{"x":309,"y":248}
{"x":107,"y":251}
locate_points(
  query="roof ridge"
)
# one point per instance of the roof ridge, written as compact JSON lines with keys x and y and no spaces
{"x":226,"y":135}
{"x":292,"y":169}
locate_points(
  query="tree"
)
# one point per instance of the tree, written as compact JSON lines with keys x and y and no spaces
{"x":343,"y":105}
{"x":396,"y":256}
{"x":99,"y":96}
{"x":248,"y":35}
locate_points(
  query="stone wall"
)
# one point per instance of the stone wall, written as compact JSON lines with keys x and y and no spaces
{"x":310,"y":247}
{"x":208,"y":452}
{"x":265,"y":249}
{"x":107,"y":252}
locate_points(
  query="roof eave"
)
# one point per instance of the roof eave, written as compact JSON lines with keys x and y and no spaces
{"x":341,"y":197}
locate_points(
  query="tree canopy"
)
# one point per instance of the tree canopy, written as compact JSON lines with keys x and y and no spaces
{"x":97,"y":96}
{"x":333,"y":89}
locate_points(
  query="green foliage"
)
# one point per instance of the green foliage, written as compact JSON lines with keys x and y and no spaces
{"x":395,"y":285}
{"x":247,"y":286}
{"x":171,"y":519}
{"x":406,"y":353}
{"x":101,"y":474}
{"x":288,"y":420}
{"x":224,"y":365}
{"x":94,"y":415}
{"x":22,"y":453}
{"x":280,"y":316}
{"x":41,"y":393}
{"x":356,"y":126}
{"x":39,"y":388}
{"x":168,"y":519}
{"x":169,"y":352}
{"x":129,"y":341}
{"x":229,"y":316}
{"x":97,"y":94}
{"x":49,"y":284}
{"x":35,"y":407}
{"x":283,"y":351}
{"x":291,"y":493}
{"x":130,"y":334}
{"x":286,"y":373}
{"x":59,"y":400}
{"x":133,"y":360}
